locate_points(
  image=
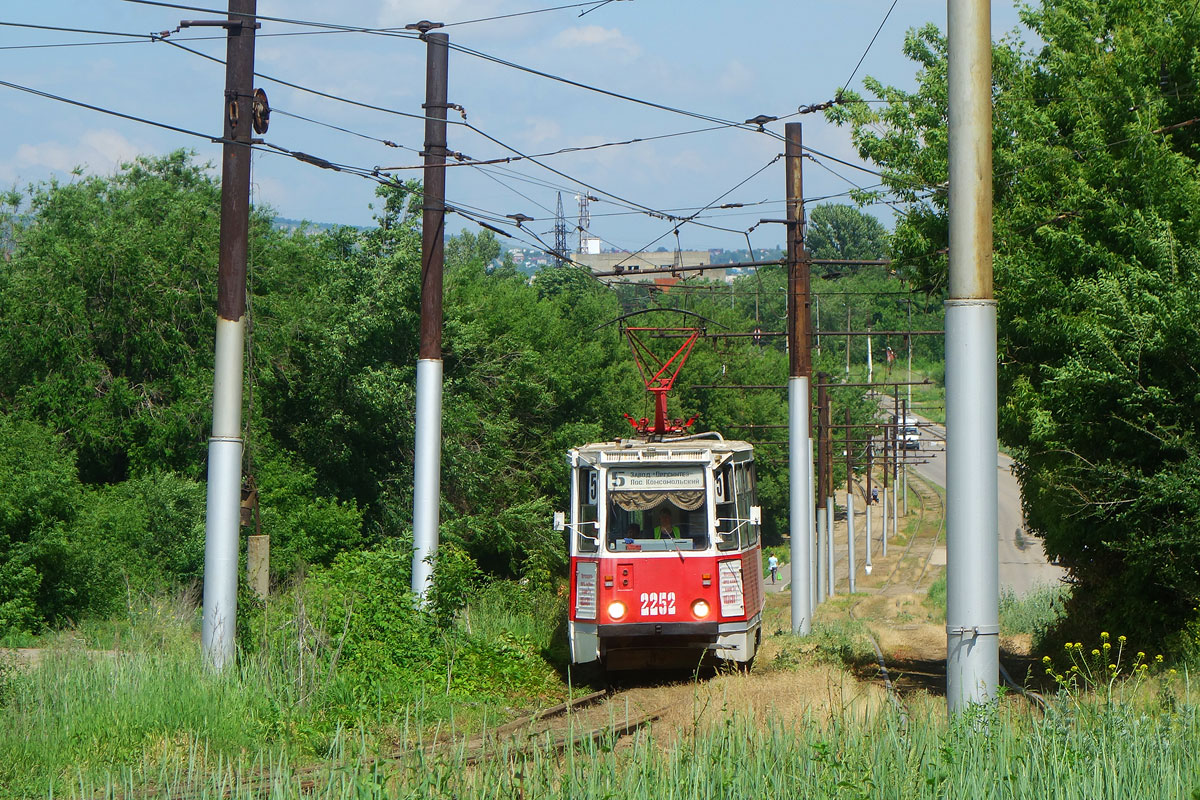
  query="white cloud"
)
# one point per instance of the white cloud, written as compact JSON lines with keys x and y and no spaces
{"x":595,"y":36}
{"x":737,"y":77}
{"x":100,"y":151}
{"x":539,"y":130}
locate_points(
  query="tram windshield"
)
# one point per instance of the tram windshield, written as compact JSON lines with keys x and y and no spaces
{"x":657,"y":509}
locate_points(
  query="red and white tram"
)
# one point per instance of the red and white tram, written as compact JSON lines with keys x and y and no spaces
{"x":665,"y":559}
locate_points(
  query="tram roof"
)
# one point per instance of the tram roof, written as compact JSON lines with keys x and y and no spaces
{"x":677,"y":450}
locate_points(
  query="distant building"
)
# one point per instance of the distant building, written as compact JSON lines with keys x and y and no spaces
{"x":633,"y":266}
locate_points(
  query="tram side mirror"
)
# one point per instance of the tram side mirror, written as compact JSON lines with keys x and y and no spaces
{"x":560,"y":520}
{"x":756,"y":515}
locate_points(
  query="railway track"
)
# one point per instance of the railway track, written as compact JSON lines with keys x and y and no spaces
{"x":581,"y":720}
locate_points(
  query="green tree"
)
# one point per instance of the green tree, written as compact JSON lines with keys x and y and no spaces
{"x":844,"y":232}
{"x":1097,"y":253}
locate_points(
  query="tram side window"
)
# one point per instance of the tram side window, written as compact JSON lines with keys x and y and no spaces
{"x":586,"y":530}
{"x":726,"y":510}
{"x":745,"y":499}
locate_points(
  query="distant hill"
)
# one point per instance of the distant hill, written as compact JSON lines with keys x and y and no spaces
{"x":288,"y":224}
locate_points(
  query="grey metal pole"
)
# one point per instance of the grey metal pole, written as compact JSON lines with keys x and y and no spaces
{"x":972,"y":574}
{"x":849,"y":338}
{"x":817,"y":322}
{"x":851,"y":562}
{"x":883,"y":514}
{"x":905,"y":405}
{"x":822,"y":563}
{"x":870,"y":359}
{"x":222,"y":513}
{"x":867,"y":565}
{"x":823,"y":530}
{"x":829,"y":545}
{"x":908,"y":380}
{"x":811,"y":546}
{"x":895,"y":499}
{"x":799,"y":384}
{"x":427,"y":460}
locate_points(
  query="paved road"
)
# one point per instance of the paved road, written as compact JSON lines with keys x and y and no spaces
{"x":1023,"y":564}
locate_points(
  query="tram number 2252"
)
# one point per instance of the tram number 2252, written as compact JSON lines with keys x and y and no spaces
{"x":656,"y":604}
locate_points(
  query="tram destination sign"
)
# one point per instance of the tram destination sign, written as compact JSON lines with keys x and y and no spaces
{"x":655,"y":479}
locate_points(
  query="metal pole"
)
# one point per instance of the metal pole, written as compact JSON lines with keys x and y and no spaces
{"x":848,"y":338}
{"x":799,"y":380}
{"x":908,"y":340}
{"x":817,"y":321}
{"x":427,"y":462}
{"x":829,"y":544}
{"x":868,"y":566}
{"x":896,"y":441}
{"x":851,"y":563}
{"x":813,"y":553}
{"x":223,"y":510}
{"x":870,"y":361}
{"x":823,"y":531}
{"x":904,"y":467}
{"x":972,"y":575}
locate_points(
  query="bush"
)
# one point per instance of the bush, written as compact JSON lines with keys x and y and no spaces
{"x":39,"y":496}
{"x":305,"y":528}
{"x":366,"y":644}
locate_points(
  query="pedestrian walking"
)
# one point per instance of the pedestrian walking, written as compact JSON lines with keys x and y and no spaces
{"x":773,"y":566}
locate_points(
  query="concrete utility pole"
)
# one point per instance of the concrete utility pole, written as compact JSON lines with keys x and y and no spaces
{"x":427,"y":461}
{"x":799,"y":385}
{"x":223,"y":511}
{"x":972,"y":575}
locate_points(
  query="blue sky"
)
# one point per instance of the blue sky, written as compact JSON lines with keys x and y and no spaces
{"x":727,"y":60}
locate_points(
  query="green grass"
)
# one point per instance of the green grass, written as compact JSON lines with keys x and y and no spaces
{"x":313,"y":679}
{"x":1095,"y":750}
{"x":1035,"y":613}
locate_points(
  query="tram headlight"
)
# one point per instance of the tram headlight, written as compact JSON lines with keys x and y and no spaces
{"x":700,"y":609}
{"x":616,"y":609}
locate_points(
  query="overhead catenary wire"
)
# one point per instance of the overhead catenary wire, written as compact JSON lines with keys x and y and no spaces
{"x":870,"y":44}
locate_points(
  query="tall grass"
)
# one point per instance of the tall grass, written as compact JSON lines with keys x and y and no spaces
{"x":1098,"y":750}
{"x":309,"y":670}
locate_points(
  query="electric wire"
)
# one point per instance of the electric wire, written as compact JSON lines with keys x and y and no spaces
{"x":309,"y":90}
{"x":573,"y":149}
{"x":607,"y":92}
{"x":337,"y":28}
{"x":691,"y":218}
{"x":870,"y":44}
{"x":594,"y":3}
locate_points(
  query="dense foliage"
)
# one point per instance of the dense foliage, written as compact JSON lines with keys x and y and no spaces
{"x":106,"y":322}
{"x":1097,"y":252}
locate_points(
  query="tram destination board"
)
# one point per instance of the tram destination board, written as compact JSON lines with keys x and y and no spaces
{"x":655,"y":479}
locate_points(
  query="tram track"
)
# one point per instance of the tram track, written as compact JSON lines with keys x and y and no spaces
{"x":924,"y":493}
{"x":577,"y":721}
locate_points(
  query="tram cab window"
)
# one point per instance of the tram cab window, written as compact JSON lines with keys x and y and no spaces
{"x":586,"y":529}
{"x":656,"y":507}
{"x":726,"y":510}
{"x":661,"y":527}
